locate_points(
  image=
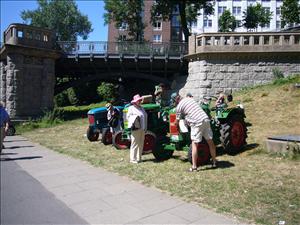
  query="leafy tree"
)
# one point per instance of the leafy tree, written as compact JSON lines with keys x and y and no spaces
{"x":61,"y":15}
{"x":126,"y":11}
{"x":290,"y":12}
{"x":227,"y":22}
{"x":188,"y":11}
{"x":107,"y":91}
{"x":256,"y":15}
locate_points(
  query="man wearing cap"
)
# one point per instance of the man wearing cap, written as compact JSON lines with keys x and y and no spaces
{"x":137,"y":122}
{"x":199,"y":122}
{"x":113,"y":118}
{"x":161,"y":97}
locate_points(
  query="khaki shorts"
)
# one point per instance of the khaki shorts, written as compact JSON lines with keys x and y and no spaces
{"x":202,"y":129}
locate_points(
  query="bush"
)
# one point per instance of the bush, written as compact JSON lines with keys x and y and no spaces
{"x":72,"y":97}
{"x":61,"y":99}
{"x":277,"y":73}
{"x":107,"y":92}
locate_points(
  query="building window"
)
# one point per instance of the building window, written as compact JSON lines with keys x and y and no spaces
{"x":20,"y":34}
{"x":278,"y":11}
{"x":157,"y":38}
{"x":124,"y":26}
{"x":157,"y":25}
{"x":266,"y":25}
{"x":278,"y":24}
{"x":265,"y":0}
{"x":237,"y":0}
{"x":221,"y":9}
{"x":122,"y":38}
{"x":266,"y":9}
{"x":207,"y":23}
{"x":236,"y":10}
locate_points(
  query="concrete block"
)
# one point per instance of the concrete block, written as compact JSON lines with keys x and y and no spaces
{"x":276,"y":146}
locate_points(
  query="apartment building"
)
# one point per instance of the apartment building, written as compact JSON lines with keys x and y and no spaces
{"x":209,"y":23}
{"x":161,"y":31}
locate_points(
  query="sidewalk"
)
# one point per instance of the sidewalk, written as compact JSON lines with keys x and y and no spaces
{"x":102,"y":197}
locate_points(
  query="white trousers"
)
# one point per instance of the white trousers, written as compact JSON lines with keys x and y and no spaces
{"x":137,"y":145}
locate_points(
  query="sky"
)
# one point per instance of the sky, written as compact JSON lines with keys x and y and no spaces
{"x":94,"y":9}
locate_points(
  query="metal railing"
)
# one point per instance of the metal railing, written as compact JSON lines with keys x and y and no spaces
{"x":124,"y":48}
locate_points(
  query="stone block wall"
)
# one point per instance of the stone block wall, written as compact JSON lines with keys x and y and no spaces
{"x":27,"y":85}
{"x":208,"y":77}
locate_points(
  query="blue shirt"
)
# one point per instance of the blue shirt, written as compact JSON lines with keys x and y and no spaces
{"x":4,"y":117}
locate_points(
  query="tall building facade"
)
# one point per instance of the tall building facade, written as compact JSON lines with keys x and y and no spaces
{"x":161,"y":31}
{"x":209,"y":23}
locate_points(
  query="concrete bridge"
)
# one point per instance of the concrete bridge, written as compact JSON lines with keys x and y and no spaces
{"x":31,"y":60}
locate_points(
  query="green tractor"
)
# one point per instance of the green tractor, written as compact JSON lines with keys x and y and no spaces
{"x":228,"y":126}
{"x":157,"y":128}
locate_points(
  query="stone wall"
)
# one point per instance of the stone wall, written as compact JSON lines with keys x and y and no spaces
{"x":208,"y":77}
{"x":27,"y":85}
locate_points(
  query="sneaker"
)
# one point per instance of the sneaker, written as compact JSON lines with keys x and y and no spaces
{"x":214,"y":164}
{"x":133,"y":161}
{"x":193,"y":169}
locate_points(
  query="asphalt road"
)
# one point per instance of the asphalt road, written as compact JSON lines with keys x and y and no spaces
{"x":25,"y":201}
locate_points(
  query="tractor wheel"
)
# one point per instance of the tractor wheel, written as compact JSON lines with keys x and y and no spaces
{"x":118,"y":142}
{"x":91,"y":135}
{"x":159,"y":152}
{"x":106,"y":136}
{"x":203,"y":153}
{"x":149,"y":143}
{"x":233,"y":134}
{"x":11,"y":131}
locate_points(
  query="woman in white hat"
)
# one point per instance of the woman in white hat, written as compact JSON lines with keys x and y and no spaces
{"x":137,"y":121}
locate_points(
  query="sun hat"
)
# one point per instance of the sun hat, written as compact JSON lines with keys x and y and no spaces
{"x":136,"y":98}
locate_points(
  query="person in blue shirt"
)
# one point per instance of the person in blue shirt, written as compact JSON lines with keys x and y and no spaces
{"x":4,"y":122}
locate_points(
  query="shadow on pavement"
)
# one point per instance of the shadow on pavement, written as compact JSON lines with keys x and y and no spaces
{"x":22,"y":146}
{"x":21,"y":158}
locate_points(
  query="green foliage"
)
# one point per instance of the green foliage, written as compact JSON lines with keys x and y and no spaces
{"x":128,"y":12}
{"x":188,"y":11}
{"x":287,"y":80}
{"x":62,"y":16}
{"x":61,"y":99}
{"x":256,"y":15}
{"x":107,"y":92}
{"x":290,"y":12}
{"x":227,"y":22}
{"x":72,"y":97}
{"x":277,"y":73}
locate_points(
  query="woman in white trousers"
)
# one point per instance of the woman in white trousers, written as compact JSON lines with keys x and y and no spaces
{"x":137,"y":121}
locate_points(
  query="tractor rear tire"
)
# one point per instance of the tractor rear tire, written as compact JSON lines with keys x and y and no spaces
{"x":91,"y":135}
{"x":11,"y":131}
{"x":106,"y":137}
{"x":233,"y":134}
{"x":203,"y":153}
{"x":149,"y":142}
{"x":118,"y":142}
{"x":159,"y":152}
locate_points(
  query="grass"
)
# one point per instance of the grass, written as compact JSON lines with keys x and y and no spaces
{"x":252,"y":185}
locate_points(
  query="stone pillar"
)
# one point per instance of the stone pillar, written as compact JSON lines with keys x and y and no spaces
{"x":3,"y":82}
{"x":13,"y":76}
{"x":48,"y":83}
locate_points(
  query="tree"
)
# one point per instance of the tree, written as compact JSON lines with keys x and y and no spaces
{"x":128,"y":12}
{"x":256,"y":15}
{"x":290,"y":12}
{"x":188,"y":11}
{"x":227,"y":22}
{"x":62,"y":16}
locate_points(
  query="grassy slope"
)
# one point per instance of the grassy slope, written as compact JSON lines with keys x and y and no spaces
{"x":251,"y":185}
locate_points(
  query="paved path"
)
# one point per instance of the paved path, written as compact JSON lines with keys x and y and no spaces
{"x":96,"y":195}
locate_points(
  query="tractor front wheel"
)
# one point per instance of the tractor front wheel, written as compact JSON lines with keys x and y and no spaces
{"x":233,"y":134}
{"x":106,"y":136}
{"x":91,"y":135}
{"x":119,"y":142}
{"x":149,"y":142}
{"x":159,"y":152}
{"x":203,"y":153}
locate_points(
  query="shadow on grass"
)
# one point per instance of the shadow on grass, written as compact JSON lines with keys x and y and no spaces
{"x":220,"y":164}
{"x":248,"y":147}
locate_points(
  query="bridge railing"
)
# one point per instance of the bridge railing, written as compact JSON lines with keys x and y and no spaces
{"x":124,"y":48}
{"x":245,"y":42}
